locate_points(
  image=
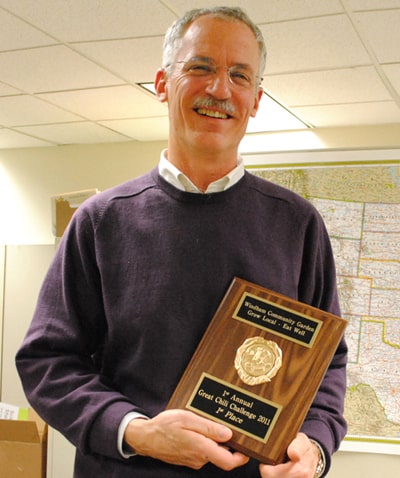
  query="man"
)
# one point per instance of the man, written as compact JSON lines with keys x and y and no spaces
{"x":143,"y":267}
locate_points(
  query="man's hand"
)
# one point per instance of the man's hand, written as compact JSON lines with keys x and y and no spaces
{"x":183,"y":438}
{"x":303,"y":459}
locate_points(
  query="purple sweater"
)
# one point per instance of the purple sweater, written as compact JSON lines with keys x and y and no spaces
{"x":134,"y":283}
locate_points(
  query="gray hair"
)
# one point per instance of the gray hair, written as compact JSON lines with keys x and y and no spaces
{"x":175,"y":33}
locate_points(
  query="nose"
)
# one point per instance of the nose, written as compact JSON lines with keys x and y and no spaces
{"x":219,"y":84}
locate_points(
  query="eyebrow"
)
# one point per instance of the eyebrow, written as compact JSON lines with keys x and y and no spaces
{"x":206,"y":59}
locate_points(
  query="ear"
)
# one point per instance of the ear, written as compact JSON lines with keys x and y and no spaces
{"x":160,"y":84}
{"x":257,"y":99}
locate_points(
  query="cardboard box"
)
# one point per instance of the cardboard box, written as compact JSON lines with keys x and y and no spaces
{"x":23,"y":447}
{"x":63,"y":207}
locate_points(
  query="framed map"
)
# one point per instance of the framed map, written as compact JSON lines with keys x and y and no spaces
{"x":360,"y":203}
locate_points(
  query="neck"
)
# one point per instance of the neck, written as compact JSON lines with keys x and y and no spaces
{"x":203,"y":168}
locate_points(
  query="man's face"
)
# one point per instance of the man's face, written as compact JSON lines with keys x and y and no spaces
{"x":210,"y":112}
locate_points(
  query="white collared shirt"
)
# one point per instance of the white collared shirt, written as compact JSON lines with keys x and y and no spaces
{"x":174,"y":176}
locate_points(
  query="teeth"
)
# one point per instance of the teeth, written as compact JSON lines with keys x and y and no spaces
{"x":212,"y":114}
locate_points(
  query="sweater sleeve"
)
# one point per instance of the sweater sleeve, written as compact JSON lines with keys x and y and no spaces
{"x":58,"y":361}
{"x":325,"y":422}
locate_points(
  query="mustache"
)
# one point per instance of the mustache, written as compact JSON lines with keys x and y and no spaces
{"x":222,"y":105}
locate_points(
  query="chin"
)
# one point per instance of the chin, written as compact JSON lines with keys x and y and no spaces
{"x":215,"y":142}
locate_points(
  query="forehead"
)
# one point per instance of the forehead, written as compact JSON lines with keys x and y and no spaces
{"x":218,"y":38}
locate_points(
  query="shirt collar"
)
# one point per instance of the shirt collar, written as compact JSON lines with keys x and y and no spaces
{"x":174,"y":176}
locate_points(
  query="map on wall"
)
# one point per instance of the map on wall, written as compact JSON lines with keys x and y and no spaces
{"x":360,"y":204}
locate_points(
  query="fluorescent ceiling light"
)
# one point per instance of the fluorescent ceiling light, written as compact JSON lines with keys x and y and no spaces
{"x":149,"y":87}
{"x":271,"y":115}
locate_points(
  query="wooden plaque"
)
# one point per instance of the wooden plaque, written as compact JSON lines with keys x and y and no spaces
{"x":258,"y":368}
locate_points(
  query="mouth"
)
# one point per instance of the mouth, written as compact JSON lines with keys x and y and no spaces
{"x":212,"y":114}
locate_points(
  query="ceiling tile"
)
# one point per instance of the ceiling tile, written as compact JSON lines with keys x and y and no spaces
{"x":383,"y":33}
{"x":73,"y":133}
{"x":136,"y":60}
{"x":85,"y":20}
{"x":52,"y":68}
{"x":352,"y":85}
{"x":393,"y":73}
{"x":373,"y":4}
{"x":12,"y":139}
{"x":6,"y":90}
{"x":26,"y":110}
{"x":108,"y":103}
{"x":384,"y":112}
{"x":144,"y":129}
{"x":271,"y":10}
{"x":313,"y":44}
{"x":17,"y":34}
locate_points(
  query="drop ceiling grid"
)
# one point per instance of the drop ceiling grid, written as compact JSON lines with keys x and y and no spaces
{"x":65,"y":62}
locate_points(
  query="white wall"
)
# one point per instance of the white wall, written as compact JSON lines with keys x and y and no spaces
{"x":29,"y":177}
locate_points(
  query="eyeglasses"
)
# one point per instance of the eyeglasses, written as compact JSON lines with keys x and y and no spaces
{"x":239,"y":75}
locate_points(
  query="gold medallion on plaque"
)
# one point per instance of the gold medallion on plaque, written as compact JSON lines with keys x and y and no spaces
{"x":258,"y":360}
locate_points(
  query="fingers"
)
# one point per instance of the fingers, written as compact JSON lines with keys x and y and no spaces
{"x":209,"y":434}
{"x":224,"y":458}
{"x":183,"y":438}
{"x":298,"y":447}
{"x":214,"y":431}
{"x":301,"y":464}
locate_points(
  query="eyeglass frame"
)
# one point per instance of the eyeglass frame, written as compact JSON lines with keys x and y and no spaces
{"x":213,"y":70}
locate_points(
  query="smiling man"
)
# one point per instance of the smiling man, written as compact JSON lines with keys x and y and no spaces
{"x":143,"y":266}
{"x":212,"y":86}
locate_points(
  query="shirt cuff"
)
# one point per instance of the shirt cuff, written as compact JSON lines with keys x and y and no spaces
{"x":122,"y":447}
